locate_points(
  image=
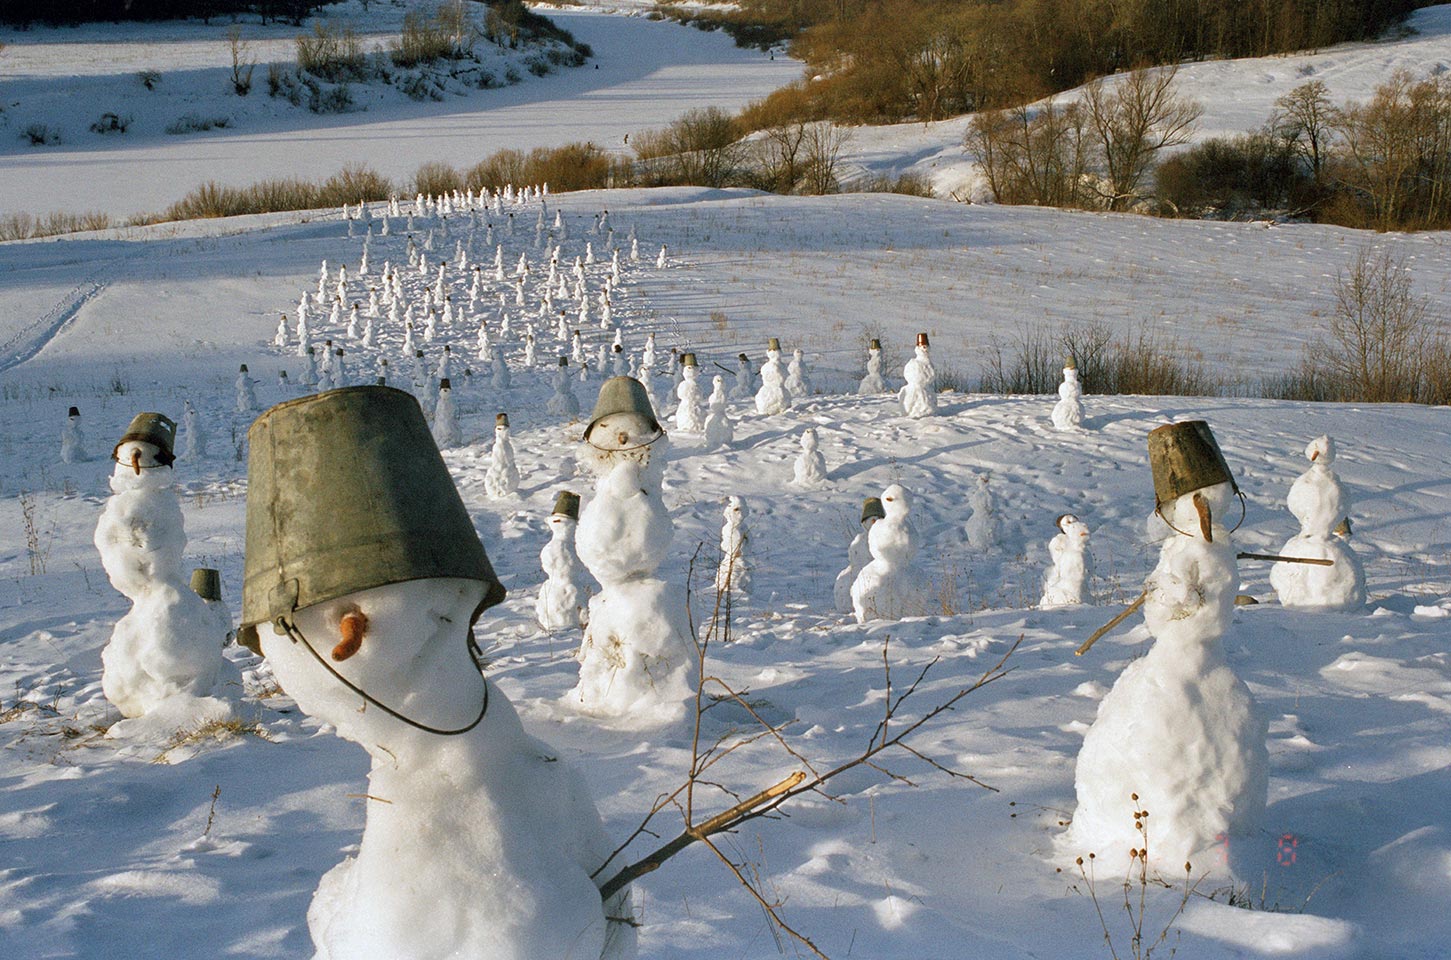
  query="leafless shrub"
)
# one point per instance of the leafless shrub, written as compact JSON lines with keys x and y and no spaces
{"x":242,"y":65}
{"x":1130,"y":123}
{"x":1138,"y":363}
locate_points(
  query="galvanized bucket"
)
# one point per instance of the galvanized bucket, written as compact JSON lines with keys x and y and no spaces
{"x":1185,"y":457}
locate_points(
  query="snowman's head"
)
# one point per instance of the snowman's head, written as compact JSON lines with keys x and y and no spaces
{"x":138,"y":455}
{"x":808,"y":439}
{"x":1203,"y":514}
{"x":1321,"y":451}
{"x":717,"y":383}
{"x":1074,"y":528}
{"x":896,"y":502}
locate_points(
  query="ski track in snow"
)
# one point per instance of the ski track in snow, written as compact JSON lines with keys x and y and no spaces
{"x":31,"y":340}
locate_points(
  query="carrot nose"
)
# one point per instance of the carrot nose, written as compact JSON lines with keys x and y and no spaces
{"x":1205,"y":517}
{"x":136,"y":461}
{"x":352,"y":626}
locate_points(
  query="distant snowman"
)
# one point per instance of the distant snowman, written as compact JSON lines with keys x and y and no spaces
{"x":719,"y":431}
{"x":1068,"y":411}
{"x":502,"y":477}
{"x":745,"y":380}
{"x":1071,"y":564}
{"x":810,"y":467}
{"x":638,"y":662}
{"x":983,"y":529}
{"x":773,"y":397}
{"x":858,"y":555}
{"x":891,"y":586}
{"x":366,"y":617}
{"x":1179,"y":735}
{"x":733,"y":574}
{"x":73,"y":438}
{"x":563,"y":403}
{"x":1322,"y":506}
{"x":872,"y":383}
{"x":562,"y":598}
{"x":690,"y":413}
{"x":919,"y":395}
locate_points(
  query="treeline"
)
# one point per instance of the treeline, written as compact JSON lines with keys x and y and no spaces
{"x":70,"y":12}
{"x":875,"y":61}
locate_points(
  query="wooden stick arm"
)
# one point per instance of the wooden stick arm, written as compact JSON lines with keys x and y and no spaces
{"x":1098,"y":634}
{"x":1275,"y":558}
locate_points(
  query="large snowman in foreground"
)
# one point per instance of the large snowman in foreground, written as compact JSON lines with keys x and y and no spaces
{"x":637,"y":660}
{"x":1178,"y":730}
{"x":891,"y":586}
{"x":164,"y":660}
{"x":1319,"y":502}
{"x":479,"y":841}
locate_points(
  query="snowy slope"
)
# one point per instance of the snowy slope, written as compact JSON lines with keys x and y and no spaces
{"x":103,"y":858}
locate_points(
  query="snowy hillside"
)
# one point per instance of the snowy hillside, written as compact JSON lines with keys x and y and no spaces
{"x":103,"y":837}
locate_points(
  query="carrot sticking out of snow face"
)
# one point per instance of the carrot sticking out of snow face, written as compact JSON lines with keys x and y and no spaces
{"x":136,"y":461}
{"x":352,"y":627}
{"x":1206,"y":517}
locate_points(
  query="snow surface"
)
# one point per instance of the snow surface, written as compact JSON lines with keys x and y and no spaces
{"x":106,"y":848}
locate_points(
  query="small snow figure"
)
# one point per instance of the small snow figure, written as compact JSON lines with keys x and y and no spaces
{"x":193,"y":436}
{"x":563,"y":403}
{"x":690,"y":414}
{"x":206,"y":583}
{"x":246,"y":395}
{"x":919,"y":394}
{"x":502,"y":478}
{"x":891,"y":586}
{"x":446,"y":431}
{"x":561,"y":602}
{"x":873,"y":383}
{"x":500,"y":371}
{"x":1321,"y":505}
{"x":73,"y":438}
{"x":745,"y":385}
{"x":163,"y":660}
{"x":661,"y":259}
{"x":811,"y":464}
{"x":309,"y":368}
{"x":773,"y":397}
{"x":279,"y":339}
{"x":1178,"y":731}
{"x":1068,"y":411}
{"x":619,"y":364}
{"x":1072,"y":564}
{"x":719,"y":432}
{"x":858,"y":555}
{"x":983,"y":529}
{"x":637,"y":661}
{"x":733,"y":574}
{"x":366,"y":620}
{"x":797,"y":385}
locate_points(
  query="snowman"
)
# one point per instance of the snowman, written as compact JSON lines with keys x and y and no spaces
{"x":773,"y":397}
{"x":163,"y":662}
{"x":797,"y":384}
{"x":1071,"y":566}
{"x":983,"y":528}
{"x":719,"y":431}
{"x":563,"y":403}
{"x":246,"y":394}
{"x":810,"y":467}
{"x":858,"y":555}
{"x":891,"y":587}
{"x":638,"y":662}
{"x":919,"y":395}
{"x":690,"y":414}
{"x":446,"y":432}
{"x":206,"y":582}
{"x":873,"y":383}
{"x":1321,"y":505}
{"x":745,"y":385}
{"x":364,"y":605}
{"x":73,"y":438}
{"x":561,"y":601}
{"x":1179,"y":730}
{"x":1068,"y":411}
{"x":733,"y":573}
{"x":502,"y":478}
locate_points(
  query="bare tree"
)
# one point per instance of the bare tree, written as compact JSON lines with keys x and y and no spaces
{"x":779,"y":155}
{"x":1399,"y":150}
{"x":1306,"y":117}
{"x":1035,"y":155}
{"x":242,"y":65}
{"x":823,"y":143}
{"x":1130,"y":122}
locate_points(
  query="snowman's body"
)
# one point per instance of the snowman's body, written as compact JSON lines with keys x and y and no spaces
{"x":858,"y":555}
{"x":734,"y":571}
{"x":773,"y":397}
{"x":797,"y":384}
{"x":561,"y":601}
{"x":919,"y":394}
{"x":502,"y":477}
{"x":563,"y":403}
{"x":1068,"y":411}
{"x":1071,"y":565}
{"x":479,"y":844}
{"x":246,"y":393}
{"x":891,"y":587}
{"x":745,"y":385}
{"x":193,"y":435}
{"x":1179,"y":728}
{"x":1321,"y":505}
{"x":873,"y":383}
{"x":73,"y":441}
{"x":500,"y":371}
{"x":810,"y":467}
{"x":983,"y":528}
{"x":166,"y":648}
{"x":637,"y":660}
{"x":719,"y":431}
{"x":446,"y":432}
{"x":690,"y":414}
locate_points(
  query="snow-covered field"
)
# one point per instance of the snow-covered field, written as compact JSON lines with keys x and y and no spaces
{"x":213,"y":847}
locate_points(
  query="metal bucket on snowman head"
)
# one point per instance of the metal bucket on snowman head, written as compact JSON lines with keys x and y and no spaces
{"x":157,"y":429}
{"x":1185,"y":457}
{"x":688,"y":360}
{"x":774,"y":343}
{"x":347,"y":491}
{"x":567,"y":504}
{"x":624,"y":395}
{"x":206,"y":583}
{"x":872,"y":509}
{"x":922,"y":340}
